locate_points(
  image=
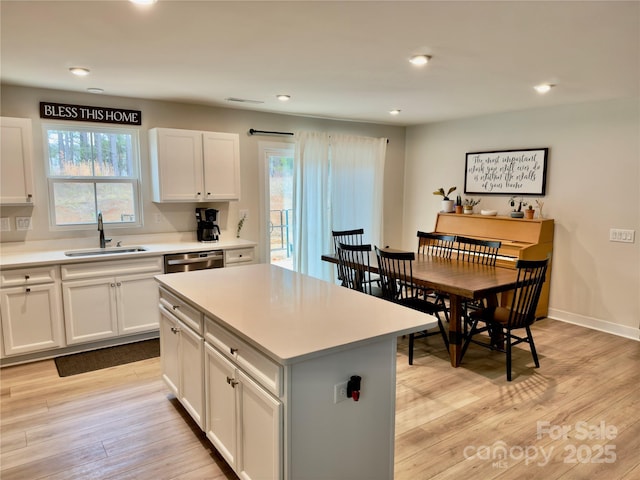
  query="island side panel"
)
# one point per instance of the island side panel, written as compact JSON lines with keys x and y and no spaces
{"x":349,"y":439}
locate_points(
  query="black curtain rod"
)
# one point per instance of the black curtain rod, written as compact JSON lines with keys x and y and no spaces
{"x":253,"y":131}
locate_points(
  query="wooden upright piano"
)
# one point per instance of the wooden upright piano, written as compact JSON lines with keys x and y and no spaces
{"x":521,"y":239}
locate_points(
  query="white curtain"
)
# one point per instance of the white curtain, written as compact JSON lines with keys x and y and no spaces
{"x":311,"y":204}
{"x":338,"y":185}
{"x":357,"y":175}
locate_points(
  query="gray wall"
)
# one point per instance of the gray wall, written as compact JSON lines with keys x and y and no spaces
{"x":593,"y":184}
{"x":24,"y":102}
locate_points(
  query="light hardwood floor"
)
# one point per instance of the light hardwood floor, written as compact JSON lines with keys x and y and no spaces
{"x":120,"y":423}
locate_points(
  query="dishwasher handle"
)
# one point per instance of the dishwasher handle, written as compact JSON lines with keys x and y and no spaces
{"x":185,"y":261}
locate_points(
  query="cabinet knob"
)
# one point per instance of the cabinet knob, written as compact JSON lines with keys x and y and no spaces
{"x":175,"y":307}
{"x":198,"y":193}
{"x":175,"y":329}
{"x":119,"y":284}
{"x":29,"y":197}
{"x":232,"y":381}
{"x":27,"y":290}
{"x":233,"y":351}
{"x":113,"y":285}
{"x":209,"y":194}
{"x":26,"y":277}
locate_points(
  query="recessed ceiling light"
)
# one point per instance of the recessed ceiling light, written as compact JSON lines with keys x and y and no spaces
{"x":395,"y":112}
{"x":143,"y":2}
{"x":543,"y":87}
{"x":283,"y":98}
{"x":95,"y":90}
{"x":420,"y":59}
{"x":79,"y":71}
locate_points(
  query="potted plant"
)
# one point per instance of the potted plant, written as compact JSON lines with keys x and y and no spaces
{"x":468,"y":205}
{"x":447,"y":204}
{"x":528,"y":213}
{"x":516,"y":205}
{"x":458,"y":205}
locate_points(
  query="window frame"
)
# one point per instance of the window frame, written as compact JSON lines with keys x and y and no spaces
{"x":135,"y":180}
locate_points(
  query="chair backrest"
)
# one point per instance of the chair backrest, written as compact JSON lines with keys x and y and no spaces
{"x":396,"y":274}
{"x":531,"y":275}
{"x":474,"y":250}
{"x":355,"y":266}
{"x":435,"y":244}
{"x":349,"y":237}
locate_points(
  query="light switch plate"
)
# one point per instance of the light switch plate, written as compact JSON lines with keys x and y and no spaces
{"x":5,"y":224}
{"x":621,"y":235}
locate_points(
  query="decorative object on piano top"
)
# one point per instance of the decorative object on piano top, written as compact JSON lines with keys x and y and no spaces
{"x":458,"y":204}
{"x":539,"y":204}
{"x":468,"y":205}
{"x":447,"y":204}
{"x":517,"y":203}
{"x":528,"y":213}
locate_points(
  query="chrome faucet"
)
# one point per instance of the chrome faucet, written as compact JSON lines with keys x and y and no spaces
{"x":103,"y":241}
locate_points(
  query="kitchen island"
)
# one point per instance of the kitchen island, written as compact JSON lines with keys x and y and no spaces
{"x":260,"y":357}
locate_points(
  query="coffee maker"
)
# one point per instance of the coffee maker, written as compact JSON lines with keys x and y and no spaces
{"x":208,"y":229}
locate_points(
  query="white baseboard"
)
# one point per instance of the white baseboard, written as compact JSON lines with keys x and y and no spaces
{"x":596,"y":324}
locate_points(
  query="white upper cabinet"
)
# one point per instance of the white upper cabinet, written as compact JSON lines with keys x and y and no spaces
{"x":16,"y":174}
{"x":194,"y":166}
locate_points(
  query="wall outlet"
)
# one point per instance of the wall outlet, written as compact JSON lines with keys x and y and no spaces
{"x":243,"y":214}
{"x":340,"y":392}
{"x":23,"y":223}
{"x":621,"y":235}
{"x":5,"y":224}
{"x":157,"y":217}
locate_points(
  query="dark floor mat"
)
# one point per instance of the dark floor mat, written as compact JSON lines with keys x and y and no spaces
{"x":107,"y":357}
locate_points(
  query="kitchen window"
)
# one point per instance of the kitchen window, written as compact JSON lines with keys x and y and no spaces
{"x":91,"y":170}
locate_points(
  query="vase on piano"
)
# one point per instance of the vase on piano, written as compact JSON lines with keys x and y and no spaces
{"x":447,"y":206}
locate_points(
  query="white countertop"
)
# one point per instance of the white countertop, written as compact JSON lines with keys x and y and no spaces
{"x":41,"y":253}
{"x":289,"y":316}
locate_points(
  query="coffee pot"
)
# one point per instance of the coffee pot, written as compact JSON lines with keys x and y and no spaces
{"x":208,"y":229}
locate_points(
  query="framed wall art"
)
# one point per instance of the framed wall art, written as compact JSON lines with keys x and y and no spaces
{"x":508,"y":172}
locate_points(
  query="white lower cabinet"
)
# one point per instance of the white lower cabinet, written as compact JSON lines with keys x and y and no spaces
{"x":244,"y":421}
{"x":109,"y":299}
{"x":182,"y":363}
{"x":31,"y":310}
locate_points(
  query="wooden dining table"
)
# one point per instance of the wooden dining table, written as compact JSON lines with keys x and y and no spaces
{"x":460,"y":281}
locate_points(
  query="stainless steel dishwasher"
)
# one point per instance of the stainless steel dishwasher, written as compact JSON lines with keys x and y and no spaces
{"x":187,"y":262}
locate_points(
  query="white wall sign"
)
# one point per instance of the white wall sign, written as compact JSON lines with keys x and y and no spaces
{"x":512,"y":172}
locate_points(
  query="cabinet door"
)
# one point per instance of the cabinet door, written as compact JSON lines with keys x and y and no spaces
{"x":221,"y":166}
{"x":260,"y":451}
{"x":90,"y":309}
{"x":191,"y":368}
{"x":16,"y":168}
{"x":221,"y":408}
{"x":176,"y":161}
{"x":137,"y":303}
{"x":170,"y":351}
{"x":31,"y":318}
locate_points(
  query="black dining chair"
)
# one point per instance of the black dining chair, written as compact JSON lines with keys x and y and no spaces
{"x":520,"y":314}
{"x":481,"y":252}
{"x":355,"y":265}
{"x":396,"y":278}
{"x":349,"y":237}
{"x":435,"y":244}
{"x":475,"y":250}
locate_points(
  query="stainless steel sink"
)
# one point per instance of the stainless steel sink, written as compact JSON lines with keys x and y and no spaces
{"x":103,"y":251}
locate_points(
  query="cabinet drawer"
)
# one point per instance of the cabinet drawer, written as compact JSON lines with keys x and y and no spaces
{"x":239,"y":255}
{"x":264,"y":370}
{"x":28,"y":276}
{"x":112,"y":267}
{"x":182,"y":310}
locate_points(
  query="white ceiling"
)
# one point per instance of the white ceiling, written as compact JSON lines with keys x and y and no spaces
{"x":342,"y":60}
